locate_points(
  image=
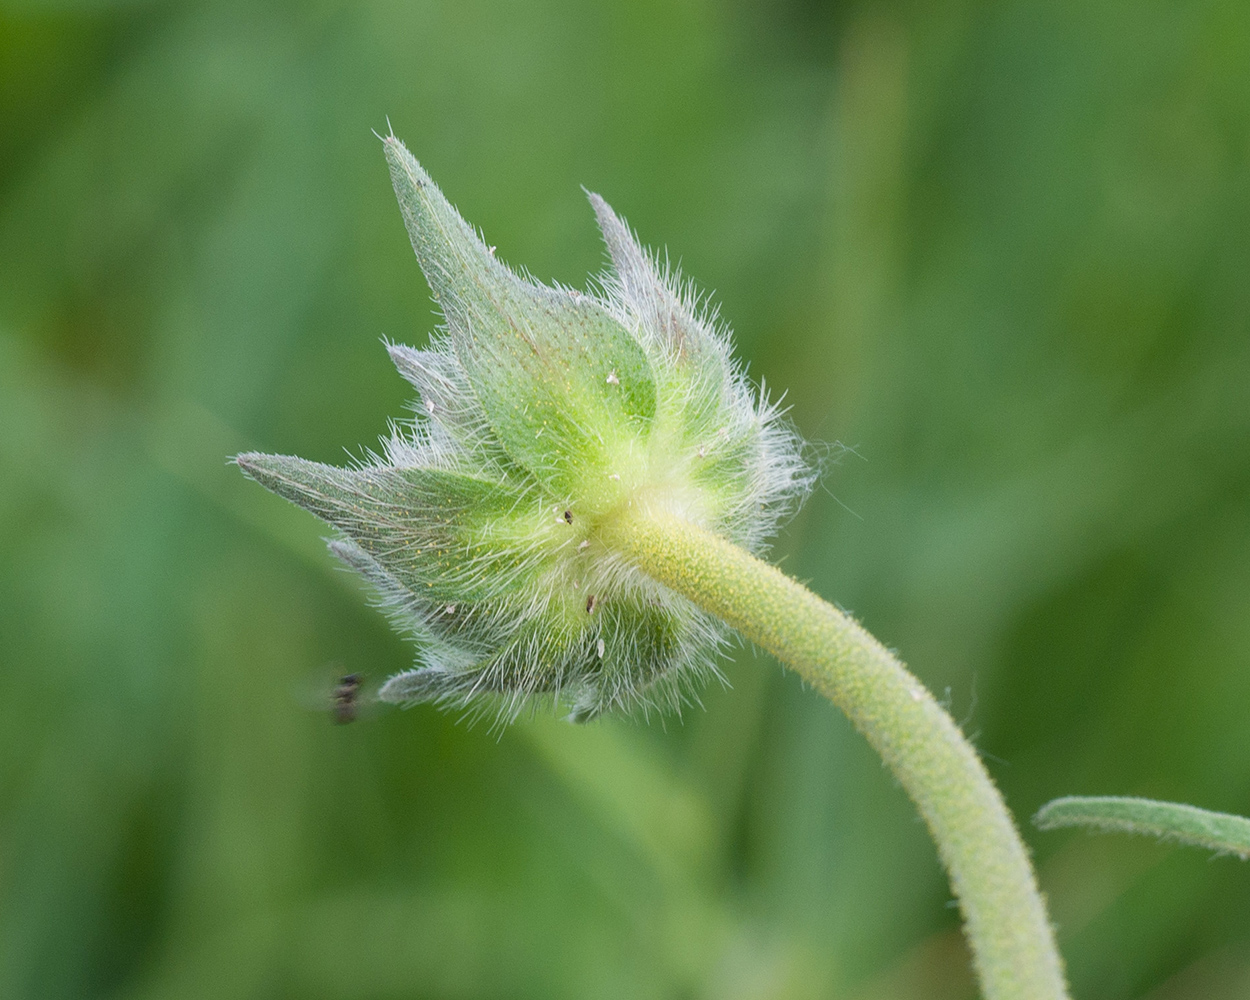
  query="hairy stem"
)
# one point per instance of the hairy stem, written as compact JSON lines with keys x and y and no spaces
{"x":1005,"y":919}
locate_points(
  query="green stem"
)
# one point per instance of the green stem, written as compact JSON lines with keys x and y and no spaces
{"x":1005,"y":920}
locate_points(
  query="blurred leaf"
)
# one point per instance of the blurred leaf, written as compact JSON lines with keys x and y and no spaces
{"x":1172,"y":821}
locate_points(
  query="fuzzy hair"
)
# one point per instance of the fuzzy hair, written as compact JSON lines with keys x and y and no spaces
{"x":478,"y":535}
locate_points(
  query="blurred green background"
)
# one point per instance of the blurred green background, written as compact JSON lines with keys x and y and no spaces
{"x":1001,"y":250}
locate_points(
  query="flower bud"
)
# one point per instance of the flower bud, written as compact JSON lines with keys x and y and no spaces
{"x":543,"y":413}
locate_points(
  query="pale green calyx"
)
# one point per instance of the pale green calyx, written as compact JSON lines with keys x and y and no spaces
{"x":544,"y":414}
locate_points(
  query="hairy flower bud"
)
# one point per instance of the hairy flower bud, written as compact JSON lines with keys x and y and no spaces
{"x":543,"y":413}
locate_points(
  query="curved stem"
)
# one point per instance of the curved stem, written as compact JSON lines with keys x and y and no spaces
{"x":1005,"y":919}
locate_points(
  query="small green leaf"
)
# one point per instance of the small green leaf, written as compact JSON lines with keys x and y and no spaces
{"x":442,"y":536}
{"x":560,"y":381}
{"x":1222,"y":832}
{"x":660,"y":309}
{"x":413,"y":687}
{"x":446,"y":398}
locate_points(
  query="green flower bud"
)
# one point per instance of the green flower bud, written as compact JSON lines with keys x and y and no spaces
{"x":543,"y":413}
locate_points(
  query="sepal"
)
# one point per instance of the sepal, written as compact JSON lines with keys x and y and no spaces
{"x":561,"y":382}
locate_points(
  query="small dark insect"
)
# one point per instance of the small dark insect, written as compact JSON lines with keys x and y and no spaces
{"x":346,"y":705}
{"x":590,"y":604}
{"x":568,"y":517}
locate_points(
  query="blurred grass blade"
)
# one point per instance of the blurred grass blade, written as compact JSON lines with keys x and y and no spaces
{"x":1183,"y":824}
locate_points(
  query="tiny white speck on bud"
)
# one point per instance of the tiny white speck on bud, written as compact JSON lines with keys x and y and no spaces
{"x":601,"y":646}
{"x":613,"y":378}
{"x":583,"y":545}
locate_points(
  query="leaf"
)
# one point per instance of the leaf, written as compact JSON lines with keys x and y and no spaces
{"x":657,"y":305}
{"x":443,"y":536}
{"x":695,"y":350}
{"x":560,"y":381}
{"x":1222,"y":832}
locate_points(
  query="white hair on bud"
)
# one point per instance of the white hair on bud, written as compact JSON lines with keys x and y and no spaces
{"x":476,"y":525}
